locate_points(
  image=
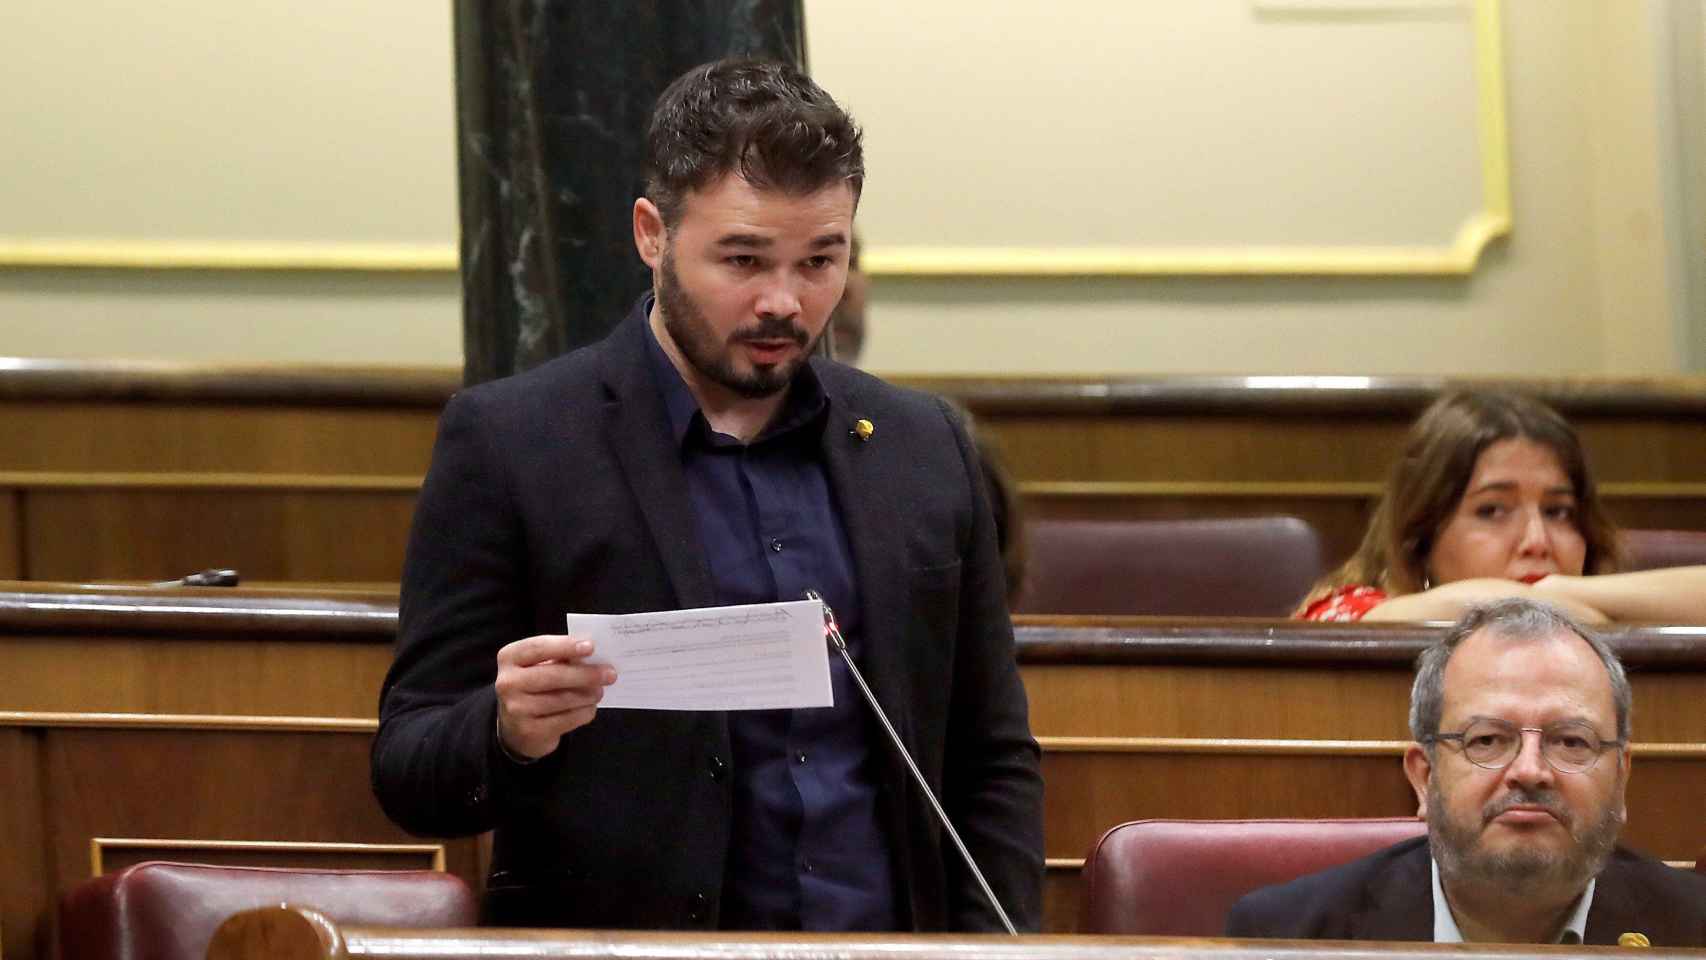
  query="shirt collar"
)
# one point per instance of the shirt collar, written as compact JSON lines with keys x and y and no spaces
{"x":1445,"y":925}
{"x":804,"y":403}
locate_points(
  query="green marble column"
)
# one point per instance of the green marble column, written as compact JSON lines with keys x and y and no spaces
{"x":552,"y":98}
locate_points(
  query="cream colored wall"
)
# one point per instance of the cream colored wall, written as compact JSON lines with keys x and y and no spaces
{"x":1578,"y":287}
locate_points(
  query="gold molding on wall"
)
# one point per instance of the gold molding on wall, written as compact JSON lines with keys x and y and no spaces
{"x":228,"y":255}
{"x":186,"y":721}
{"x":191,"y":480}
{"x":98,"y":846}
{"x":1458,"y":258}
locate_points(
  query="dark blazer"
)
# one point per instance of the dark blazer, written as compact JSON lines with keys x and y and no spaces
{"x":561,"y":490}
{"x":1388,"y":895}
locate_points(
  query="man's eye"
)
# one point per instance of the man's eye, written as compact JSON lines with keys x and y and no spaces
{"x":741,"y":260}
{"x":820,"y":262}
{"x":1487,"y":741}
{"x":1571,"y":741}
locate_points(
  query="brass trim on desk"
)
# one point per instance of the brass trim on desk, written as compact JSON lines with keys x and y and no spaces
{"x":1292,"y":748}
{"x":98,"y":846}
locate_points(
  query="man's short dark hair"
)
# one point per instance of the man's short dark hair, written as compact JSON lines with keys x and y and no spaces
{"x":1513,"y":618}
{"x":762,"y":119}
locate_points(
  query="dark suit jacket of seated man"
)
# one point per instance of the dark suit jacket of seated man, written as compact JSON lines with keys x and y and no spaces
{"x":1521,"y":719}
{"x":697,"y":457}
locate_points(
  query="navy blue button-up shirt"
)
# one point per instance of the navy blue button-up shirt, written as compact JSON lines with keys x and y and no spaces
{"x":806,"y":850}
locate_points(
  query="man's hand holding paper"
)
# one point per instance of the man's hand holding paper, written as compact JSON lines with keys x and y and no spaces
{"x":546,"y":687}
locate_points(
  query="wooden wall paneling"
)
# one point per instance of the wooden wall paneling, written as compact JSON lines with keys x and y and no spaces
{"x":1063,"y":896}
{"x":1243,"y":702}
{"x":1667,"y":803}
{"x":12,"y":563}
{"x":212,"y":785}
{"x":25,"y":871}
{"x":1656,"y":507}
{"x":268,"y":535}
{"x":1089,"y":792}
{"x":1186,"y":446}
{"x":217,"y":675}
{"x":168,"y":437}
{"x":1645,"y":449}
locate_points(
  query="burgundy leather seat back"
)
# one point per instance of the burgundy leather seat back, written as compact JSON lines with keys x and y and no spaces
{"x":168,"y":911}
{"x":1237,"y":567}
{"x":1181,"y":877}
{"x":1651,"y":549}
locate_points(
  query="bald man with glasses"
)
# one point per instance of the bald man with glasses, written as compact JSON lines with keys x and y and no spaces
{"x":1520,"y":762}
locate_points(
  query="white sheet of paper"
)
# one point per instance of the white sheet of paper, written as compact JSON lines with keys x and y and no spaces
{"x":759,"y":656}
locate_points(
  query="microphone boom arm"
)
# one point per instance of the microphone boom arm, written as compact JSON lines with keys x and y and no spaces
{"x":836,"y":640}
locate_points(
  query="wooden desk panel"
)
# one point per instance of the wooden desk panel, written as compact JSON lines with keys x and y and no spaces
{"x":153,"y":534}
{"x":308,"y":935}
{"x":11,"y":535}
{"x":148,"y":470}
{"x":191,"y":435}
{"x":1138,"y":718}
{"x":226,"y":676}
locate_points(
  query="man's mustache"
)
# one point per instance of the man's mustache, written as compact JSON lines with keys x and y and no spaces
{"x":772,"y":328}
{"x":1547,"y":799}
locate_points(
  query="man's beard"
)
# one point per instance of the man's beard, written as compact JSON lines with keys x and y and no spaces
{"x":714,"y":360}
{"x":1524,"y":868}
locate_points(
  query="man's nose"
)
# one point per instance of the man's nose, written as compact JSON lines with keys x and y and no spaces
{"x":778,"y":298}
{"x":1529,"y":767}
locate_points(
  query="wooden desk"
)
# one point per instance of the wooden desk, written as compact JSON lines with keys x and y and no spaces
{"x":234,"y":726}
{"x":309,"y":474}
{"x":307,"y":935}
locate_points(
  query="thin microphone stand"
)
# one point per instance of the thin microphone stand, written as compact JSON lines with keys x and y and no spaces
{"x":836,"y":640}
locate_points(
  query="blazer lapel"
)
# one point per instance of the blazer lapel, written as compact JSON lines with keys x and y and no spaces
{"x":637,"y":429}
{"x":856,"y":469}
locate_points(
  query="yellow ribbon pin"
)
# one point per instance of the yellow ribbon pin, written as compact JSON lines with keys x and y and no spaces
{"x":1633,"y":939}
{"x":863,"y":429}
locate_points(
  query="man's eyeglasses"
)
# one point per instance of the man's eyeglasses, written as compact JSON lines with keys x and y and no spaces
{"x":1569,"y":746}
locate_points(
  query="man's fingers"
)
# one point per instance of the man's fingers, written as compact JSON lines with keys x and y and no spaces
{"x":546,"y":705}
{"x":553,"y":675}
{"x":545,"y":647}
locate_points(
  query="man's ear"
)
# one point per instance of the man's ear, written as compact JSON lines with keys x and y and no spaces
{"x":1417,"y":767}
{"x":650,"y":235}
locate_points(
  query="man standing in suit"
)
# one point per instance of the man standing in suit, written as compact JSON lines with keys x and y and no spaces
{"x":1521,"y":759}
{"x":702,"y":456}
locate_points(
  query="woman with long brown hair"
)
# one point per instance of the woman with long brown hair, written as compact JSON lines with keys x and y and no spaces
{"x":1493,"y":498}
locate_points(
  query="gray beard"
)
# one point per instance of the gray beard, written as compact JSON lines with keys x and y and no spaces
{"x":1519,"y":871}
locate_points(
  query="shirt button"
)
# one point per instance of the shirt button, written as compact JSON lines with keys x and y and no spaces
{"x":718,"y":769}
{"x":806,"y":865}
{"x":800,"y":758}
{"x":776,"y":545}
